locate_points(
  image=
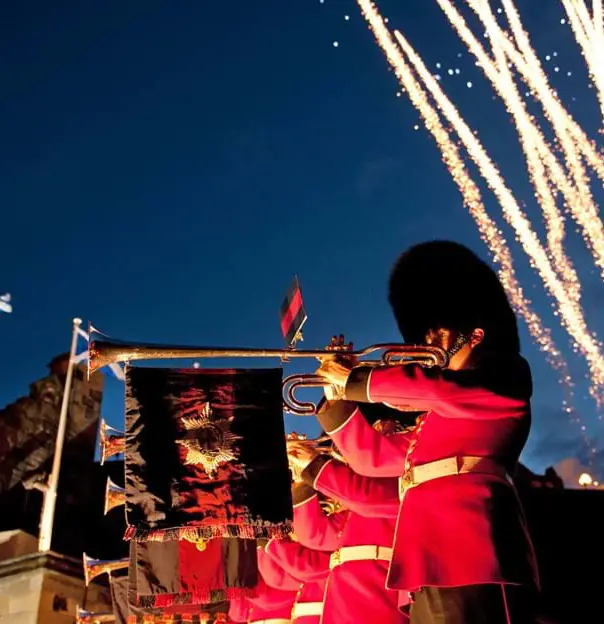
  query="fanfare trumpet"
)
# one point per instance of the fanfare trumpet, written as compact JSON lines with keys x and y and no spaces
{"x":112,"y":441}
{"x":96,"y":567}
{"x":114,"y":496}
{"x":90,"y":617}
{"x":102,"y":352}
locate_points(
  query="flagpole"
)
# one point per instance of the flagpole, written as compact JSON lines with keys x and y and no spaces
{"x":50,"y":491}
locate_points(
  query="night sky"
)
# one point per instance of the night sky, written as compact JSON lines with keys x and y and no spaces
{"x":166,"y":167}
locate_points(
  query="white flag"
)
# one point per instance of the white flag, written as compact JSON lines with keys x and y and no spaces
{"x":115,"y":369}
{"x":5,"y":305}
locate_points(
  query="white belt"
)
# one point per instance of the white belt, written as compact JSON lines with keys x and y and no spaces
{"x":359,"y":553}
{"x":302,"y":609}
{"x":448,"y":467}
{"x":273,"y":621}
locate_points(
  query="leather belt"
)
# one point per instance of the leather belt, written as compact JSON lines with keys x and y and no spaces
{"x":302,"y":609}
{"x":448,"y":467}
{"x":359,"y":553}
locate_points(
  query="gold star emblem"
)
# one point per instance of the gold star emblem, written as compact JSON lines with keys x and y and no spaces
{"x":209,"y":440}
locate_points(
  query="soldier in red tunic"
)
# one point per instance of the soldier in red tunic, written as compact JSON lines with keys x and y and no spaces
{"x":361,"y":539}
{"x":461,"y":549}
{"x":272,"y":604}
{"x":310,"y":568}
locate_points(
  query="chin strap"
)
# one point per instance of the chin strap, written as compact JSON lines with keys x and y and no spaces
{"x":461,"y":341}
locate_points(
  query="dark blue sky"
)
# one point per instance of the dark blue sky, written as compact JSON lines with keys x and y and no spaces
{"x":165,"y":167}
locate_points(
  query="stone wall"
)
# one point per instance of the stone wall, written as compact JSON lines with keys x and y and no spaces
{"x":43,"y":588}
{"x":61,"y":594}
{"x":20,"y":597}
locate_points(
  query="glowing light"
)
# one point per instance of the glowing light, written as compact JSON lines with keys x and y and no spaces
{"x":585,"y":479}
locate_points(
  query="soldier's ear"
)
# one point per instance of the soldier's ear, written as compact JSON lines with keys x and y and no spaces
{"x":476,"y":337}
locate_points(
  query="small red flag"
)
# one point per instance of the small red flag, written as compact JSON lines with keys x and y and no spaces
{"x":293,"y":314}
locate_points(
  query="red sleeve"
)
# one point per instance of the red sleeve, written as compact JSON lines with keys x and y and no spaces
{"x":367,"y":451}
{"x":239,"y":610}
{"x":367,"y":496}
{"x":271,"y":598}
{"x":274,"y":575}
{"x":312,"y":527}
{"x":482,"y":393}
{"x":304,"y":564}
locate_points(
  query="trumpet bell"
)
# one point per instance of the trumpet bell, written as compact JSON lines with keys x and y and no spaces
{"x":114,"y":496}
{"x":90,"y":617}
{"x":112,"y":441}
{"x":96,"y":567}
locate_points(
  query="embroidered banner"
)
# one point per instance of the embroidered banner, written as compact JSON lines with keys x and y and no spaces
{"x":205,"y":454}
{"x":170,"y":575}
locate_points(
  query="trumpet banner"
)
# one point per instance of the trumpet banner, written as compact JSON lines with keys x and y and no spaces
{"x":206,"y":454}
{"x":178,"y":578}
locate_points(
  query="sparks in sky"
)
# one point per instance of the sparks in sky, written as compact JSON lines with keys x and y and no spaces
{"x":555,"y":171}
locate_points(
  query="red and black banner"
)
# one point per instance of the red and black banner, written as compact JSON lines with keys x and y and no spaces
{"x":173,"y":575}
{"x":206,"y":454}
{"x":293,"y":314}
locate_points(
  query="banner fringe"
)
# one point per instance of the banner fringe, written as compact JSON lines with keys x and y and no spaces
{"x":199,"y":597}
{"x":258,"y":530}
{"x":185,"y":618}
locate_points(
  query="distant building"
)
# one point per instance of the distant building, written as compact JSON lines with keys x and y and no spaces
{"x":45,"y":589}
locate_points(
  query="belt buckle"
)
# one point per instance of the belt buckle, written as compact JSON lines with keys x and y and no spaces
{"x":334,"y":559}
{"x":406,"y":481}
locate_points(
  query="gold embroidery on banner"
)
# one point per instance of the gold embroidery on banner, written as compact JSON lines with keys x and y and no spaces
{"x":209,"y":441}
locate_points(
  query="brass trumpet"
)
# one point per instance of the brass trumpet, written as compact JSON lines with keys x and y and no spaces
{"x":90,"y":617}
{"x":96,"y":567}
{"x":103,"y":352}
{"x":114,"y":496}
{"x":112,"y":441}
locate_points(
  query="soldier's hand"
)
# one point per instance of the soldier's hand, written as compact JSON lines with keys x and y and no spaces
{"x":335,"y":373}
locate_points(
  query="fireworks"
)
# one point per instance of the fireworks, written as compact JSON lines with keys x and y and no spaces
{"x":559,"y":171}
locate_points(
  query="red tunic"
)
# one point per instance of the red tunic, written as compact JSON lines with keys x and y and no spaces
{"x":272,"y":604}
{"x":356,"y":590}
{"x":309,"y":600}
{"x":454,"y":530}
{"x":310,"y":568}
{"x":239,"y":610}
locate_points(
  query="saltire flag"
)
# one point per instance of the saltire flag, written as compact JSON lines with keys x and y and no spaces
{"x":293,"y":314}
{"x":5,"y":304}
{"x":206,"y":454}
{"x":174,"y":575}
{"x":114,"y":369}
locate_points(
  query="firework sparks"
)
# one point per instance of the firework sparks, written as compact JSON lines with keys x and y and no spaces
{"x":588,"y":34}
{"x":571,"y":139}
{"x":472,"y":199}
{"x":570,"y":313}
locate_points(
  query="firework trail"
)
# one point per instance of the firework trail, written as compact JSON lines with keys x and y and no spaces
{"x":537,"y":152}
{"x":577,"y":194}
{"x":589,"y":36}
{"x":471,"y":197}
{"x":570,"y":312}
{"x":531,"y":138}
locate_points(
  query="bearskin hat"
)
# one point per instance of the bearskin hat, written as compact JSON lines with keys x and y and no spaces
{"x":444,"y":285}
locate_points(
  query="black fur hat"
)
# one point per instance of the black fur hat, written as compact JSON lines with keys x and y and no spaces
{"x":442,"y":284}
